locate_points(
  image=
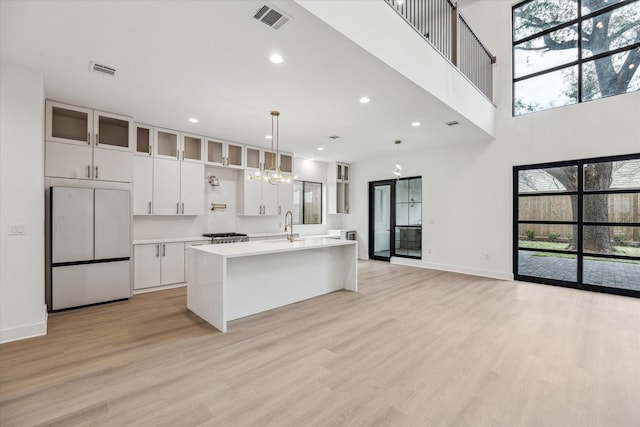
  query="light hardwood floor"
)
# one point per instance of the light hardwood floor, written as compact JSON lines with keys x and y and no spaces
{"x":413,"y":347}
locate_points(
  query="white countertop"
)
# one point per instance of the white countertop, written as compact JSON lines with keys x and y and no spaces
{"x":170,"y":240}
{"x":241,"y":249}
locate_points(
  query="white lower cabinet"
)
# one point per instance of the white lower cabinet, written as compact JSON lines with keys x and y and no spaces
{"x":158,"y":264}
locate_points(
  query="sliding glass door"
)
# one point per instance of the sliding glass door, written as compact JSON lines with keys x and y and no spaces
{"x":577,"y":224}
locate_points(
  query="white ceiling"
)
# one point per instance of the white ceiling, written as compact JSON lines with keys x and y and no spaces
{"x":210,"y":60}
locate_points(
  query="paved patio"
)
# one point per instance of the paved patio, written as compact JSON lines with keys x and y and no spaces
{"x":596,"y":272}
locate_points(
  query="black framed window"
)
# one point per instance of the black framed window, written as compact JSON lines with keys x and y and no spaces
{"x":307,"y":202}
{"x":577,"y":224}
{"x":569,"y":51}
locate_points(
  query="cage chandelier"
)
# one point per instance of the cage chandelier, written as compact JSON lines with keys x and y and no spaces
{"x":273,"y":174}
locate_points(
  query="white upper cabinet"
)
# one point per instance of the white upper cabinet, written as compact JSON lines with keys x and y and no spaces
{"x":286,"y":162}
{"x":192,"y":148}
{"x":112,"y":131}
{"x":143,"y":145}
{"x":68,"y":124}
{"x":253,"y":157}
{"x":83,"y":126}
{"x":191,"y":189}
{"x":166,"y":144}
{"x":142,"y":185}
{"x":224,"y":153}
{"x":338,"y":195}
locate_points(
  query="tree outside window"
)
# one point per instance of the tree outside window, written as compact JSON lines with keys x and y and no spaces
{"x":569,"y":51}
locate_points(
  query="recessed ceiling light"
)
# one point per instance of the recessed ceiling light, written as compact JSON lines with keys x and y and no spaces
{"x":415,"y":124}
{"x":268,"y":137}
{"x":276,"y":59}
{"x":320,"y":148}
{"x":193,"y":120}
{"x":364,"y":100}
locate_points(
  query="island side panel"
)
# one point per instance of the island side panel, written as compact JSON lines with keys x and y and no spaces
{"x":350,"y":266}
{"x":205,"y":288}
{"x":262,"y":282}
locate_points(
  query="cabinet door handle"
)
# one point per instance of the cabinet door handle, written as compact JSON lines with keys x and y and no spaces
{"x":149,"y":208}
{"x":177,"y":208}
{"x":279,"y":210}
{"x":96,"y":173}
{"x":97,"y":139}
{"x":182,"y":154}
{"x":149,"y":149}
{"x":178,"y":154}
{"x":157,"y":251}
{"x":182,"y":208}
{"x":88,"y":171}
{"x":164,"y":250}
{"x":88,"y":138}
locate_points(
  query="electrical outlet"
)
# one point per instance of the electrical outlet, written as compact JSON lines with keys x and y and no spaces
{"x":16,"y":230}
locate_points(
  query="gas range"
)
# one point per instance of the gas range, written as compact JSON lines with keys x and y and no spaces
{"x":226,"y":237}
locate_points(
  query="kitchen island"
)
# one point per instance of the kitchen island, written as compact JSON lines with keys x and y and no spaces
{"x":234,"y":280}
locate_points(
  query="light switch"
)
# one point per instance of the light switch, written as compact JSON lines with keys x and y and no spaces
{"x":16,"y":229}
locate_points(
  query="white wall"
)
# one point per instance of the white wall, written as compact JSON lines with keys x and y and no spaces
{"x":22,"y":308}
{"x":467,"y":188}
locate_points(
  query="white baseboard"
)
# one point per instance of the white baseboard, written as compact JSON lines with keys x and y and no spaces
{"x":159,"y":288}
{"x":452,"y":268}
{"x":26,"y":331}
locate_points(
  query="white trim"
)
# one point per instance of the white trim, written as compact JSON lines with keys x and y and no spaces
{"x":27,"y":331}
{"x":159,"y":288}
{"x":452,"y":268}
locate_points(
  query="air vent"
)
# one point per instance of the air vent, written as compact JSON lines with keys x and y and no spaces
{"x":453,"y":123}
{"x":99,"y":68}
{"x":270,"y":17}
{"x":334,"y":137}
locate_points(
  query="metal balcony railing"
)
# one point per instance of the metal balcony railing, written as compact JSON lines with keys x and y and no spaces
{"x":441,"y":24}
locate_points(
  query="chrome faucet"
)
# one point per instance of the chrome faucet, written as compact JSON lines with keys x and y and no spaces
{"x":290,"y":235}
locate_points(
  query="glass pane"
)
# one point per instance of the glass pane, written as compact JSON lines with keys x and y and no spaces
{"x":415,"y":214}
{"x":600,"y":239}
{"x":623,"y":174}
{"x":548,"y":180}
{"x":539,"y":54}
{"x":608,"y":76}
{"x":402,"y":213}
{"x":234,"y":155}
{"x":402,"y":190}
{"x":623,"y":207}
{"x":312,"y":203}
{"x":143,"y":139}
{"x":611,"y":272}
{"x":167,"y":144}
{"x":548,"y":265}
{"x":382,"y":221}
{"x":548,"y":236}
{"x":612,"y":30}
{"x":297,"y":202}
{"x":214,"y":151}
{"x":548,"y":208}
{"x":546,"y":91}
{"x":589,"y":6}
{"x":113,"y":131}
{"x":69,"y":124}
{"x":540,"y":15}
{"x":415,"y":190}
{"x":408,"y":241}
{"x":192,"y":148}
{"x":253,"y":158}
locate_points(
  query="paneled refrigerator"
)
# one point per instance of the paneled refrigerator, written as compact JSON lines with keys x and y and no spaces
{"x":90,"y":246}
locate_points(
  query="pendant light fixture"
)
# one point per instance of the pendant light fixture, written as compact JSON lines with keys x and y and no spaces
{"x":273,"y":174}
{"x":398,"y":171}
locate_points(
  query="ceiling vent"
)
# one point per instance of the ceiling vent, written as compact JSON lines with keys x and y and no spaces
{"x":334,"y":137}
{"x":270,"y":17}
{"x":453,"y":123}
{"x":99,"y":68}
